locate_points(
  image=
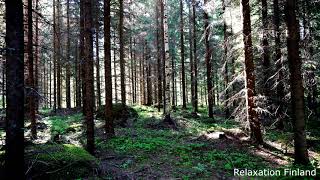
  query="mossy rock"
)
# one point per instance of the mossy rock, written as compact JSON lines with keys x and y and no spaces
{"x":55,"y":161}
{"x":120,"y":114}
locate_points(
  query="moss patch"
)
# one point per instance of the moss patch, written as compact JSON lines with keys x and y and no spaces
{"x":54,"y":161}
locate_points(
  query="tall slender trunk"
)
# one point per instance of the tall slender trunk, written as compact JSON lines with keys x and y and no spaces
{"x":208,"y":62}
{"x":14,"y":148}
{"x":183,"y":74}
{"x":107,"y":64}
{"x":97,"y":26}
{"x":255,"y":134}
{"x":132,"y":70}
{"x":68,"y":73}
{"x":191,"y":56}
{"x":115,"y":69}
{"x":167,"y":69}
{"x":54,"y":57}
{"x":122,"y":62}
{"x":195,"y":61}
{"x":265,"y":52}
{"x":296,"y":84}
{"x":225,"y":60}
{"x":279,"y":64}
{"x":59,"y":54}
{"x":88,"y":74}
{"x":31,"y":87}
{"x":135,"y":71}
{"x":159,"y":55}
{"x":36,"y":70}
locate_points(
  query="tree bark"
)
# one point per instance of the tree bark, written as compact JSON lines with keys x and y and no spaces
{"x":122,"y":62}
{"x":208,"y":63}
{"x":195,"y":60}
{"x":14,"y":148}
{"x":68,"y":73}
{"x":88,"y":74}
{"x":296,"y":85}
{"x":159,"y":55}
{"x":183,"y":74}
{"x":255,"y":134}
{"x":167,"y":104}
{"x":279,"y":65}
{"x":265,"y":52}
{"x":97,"y":55}
{"x":59,"y":55}
{"x":108,"y":75}
{"x":31,"y":83}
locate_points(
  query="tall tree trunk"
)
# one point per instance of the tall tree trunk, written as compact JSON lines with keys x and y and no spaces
{"x":183,"y":74}
{"x":88,"y":74}
{"x":50,"y":84}
{"x":279,"y":65}
{"x":195,"y":60}
{"x":59,"y":55}
{"x":122,"y":62}
{"x":167,"y":69}
{"x":208,"y":63}
{"x":68,"y":73}
{"x":135,"y":72}
{"x":191,"y":56}
{"x":31,"y":87}
{"x":97,"y":55}
{"x":115,"y":69}
{"x":159,"y":55}
{"x":55,"y":56}
{"x":225,"y":60}
{"x":14,"y":154}
{"x":132,"y":70}
{"x":36,"y":70}
{"x":265,"y":52}
{"x":148,"y":73}
{"x":255,"y":134}
{"x":107,"y":64}
{"x":296,"y":85}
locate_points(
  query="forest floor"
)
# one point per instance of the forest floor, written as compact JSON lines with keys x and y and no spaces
{"x":145,"y":147}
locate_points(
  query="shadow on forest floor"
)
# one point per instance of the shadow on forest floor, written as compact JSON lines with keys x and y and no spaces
{"x":145,"y":147}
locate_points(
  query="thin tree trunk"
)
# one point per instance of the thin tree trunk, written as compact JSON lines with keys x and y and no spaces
{"x":107,"y":64}
{"x":159,"y":56}
{"x":208,"y":63}
{"x":68,"y":73}
{"x":88,"y":74}
{"x":97,"y":56}
{"x":296,"y":85}
{"x":255,"y":134}
{"x":279,"y":64}
{"x":225,"y":60}
{"x":195,"y":61}
{"x":191,"y":56}
{"x":54,"y":57}
{"x":36,"y":71}
{"x":167,"y":105}
{"x":183,"y":74}
{"x":31,"y":87}
{"x":122,"y":62}
{"x":265,"y":53}
{"x":59,"y":55}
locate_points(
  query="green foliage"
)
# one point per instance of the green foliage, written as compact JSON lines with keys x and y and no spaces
{"x":52,"y":161}
{"x":65,"y":153}
{"x":60,"y":124}
{"x":45,"y":111}
{"x":131,"y":145}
